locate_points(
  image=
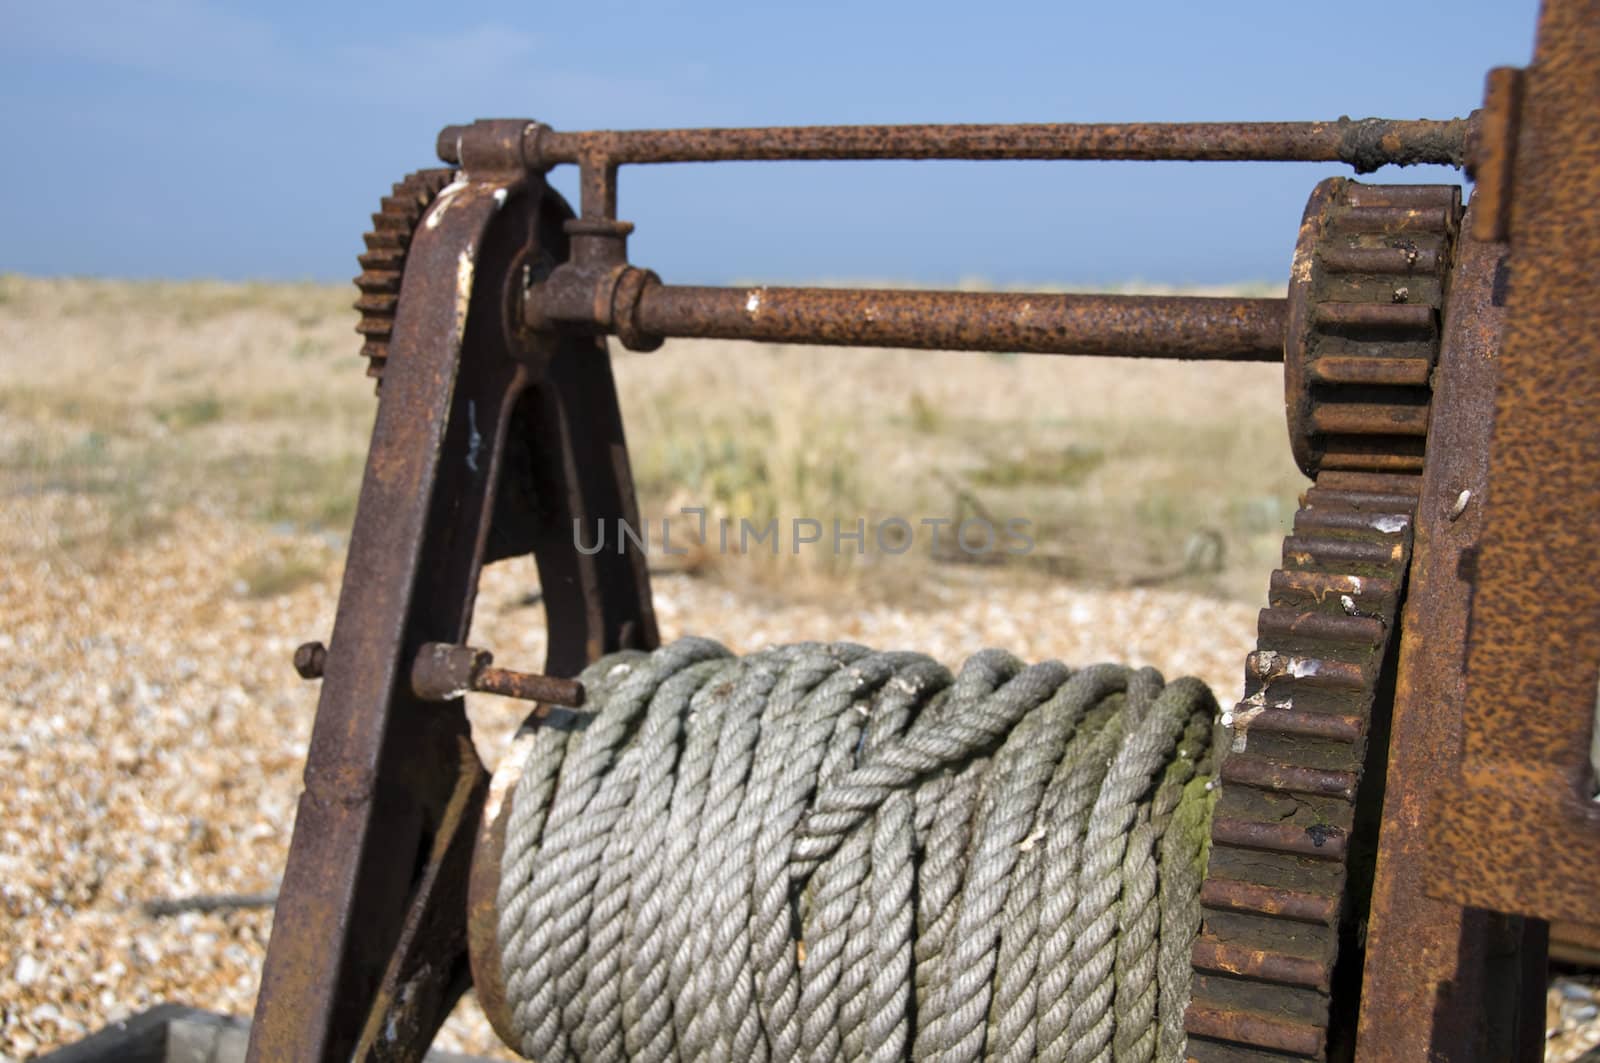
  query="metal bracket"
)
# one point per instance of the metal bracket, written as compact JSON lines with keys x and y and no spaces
{"x":476,"y":455}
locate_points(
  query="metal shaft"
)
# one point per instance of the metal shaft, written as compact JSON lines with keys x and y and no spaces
{"x":1366,"y":143}
{"x":528,"y":686}
{"x":1136,"y":326}
{"x":442,"y":671}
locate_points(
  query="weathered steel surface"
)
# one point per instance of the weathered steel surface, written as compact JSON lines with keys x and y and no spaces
{"x":1365,"y":144}
{"x":1494,"y":153}
{"x":1522,"y":833}
{"x":1443,"y":982}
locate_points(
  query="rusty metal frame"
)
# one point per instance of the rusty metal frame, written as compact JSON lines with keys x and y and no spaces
{"x":475,"y":455}
{"x":1442,"y":981}
{"x":1518,"y":829}
{"x":1489,"y":827}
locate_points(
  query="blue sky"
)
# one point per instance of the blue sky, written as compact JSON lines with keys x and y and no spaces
{"x":185,"y":138}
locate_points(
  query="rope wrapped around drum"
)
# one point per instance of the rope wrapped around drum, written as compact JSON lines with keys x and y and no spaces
{"x":820,"y":851}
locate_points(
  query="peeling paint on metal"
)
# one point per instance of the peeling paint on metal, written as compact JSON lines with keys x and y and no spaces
{"x":442,"y":204}
{"x":466,"y":266}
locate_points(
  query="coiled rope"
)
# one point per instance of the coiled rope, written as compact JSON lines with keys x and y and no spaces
{"x":824,"y":852}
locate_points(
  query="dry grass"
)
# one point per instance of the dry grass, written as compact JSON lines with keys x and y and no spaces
{"x":246,"y":401}
{"x":234,"y":399}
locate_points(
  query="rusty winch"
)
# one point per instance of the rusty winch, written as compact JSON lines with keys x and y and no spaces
{"x":1406,"y":793}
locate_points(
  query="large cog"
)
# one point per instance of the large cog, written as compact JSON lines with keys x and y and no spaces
{"x":1277,"y":961}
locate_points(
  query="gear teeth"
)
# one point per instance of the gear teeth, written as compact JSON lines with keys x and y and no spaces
{"x":388,"y":240}
{"x":1281,"y":1038}
{"x":1282,"y":835}
{"x":378,"y":303}
{"x":1334,"y":369}
{"x":1229,"y":895}
{"x":1285,"y":968}
{"x":1268,"y":774}
{"x":1367,"y":297}
{"x":384,"y":260}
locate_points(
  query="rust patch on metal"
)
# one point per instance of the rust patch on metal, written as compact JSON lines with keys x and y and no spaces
{"x":443,"y":671}
{"x":1220,"y":894}
{"x":1233,"y":1026}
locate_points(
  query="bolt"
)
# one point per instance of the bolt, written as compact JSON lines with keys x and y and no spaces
{"x":310,"y":659}
{"x":443,"y":671}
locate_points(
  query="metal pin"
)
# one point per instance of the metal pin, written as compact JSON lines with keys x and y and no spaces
{"x":443,"y":671}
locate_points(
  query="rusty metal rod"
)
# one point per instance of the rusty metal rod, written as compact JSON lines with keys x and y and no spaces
{"x":1366,"y":143}
{"x":442,"y":671}
{"x":549,"y":689}
{"x":1134,"y":326}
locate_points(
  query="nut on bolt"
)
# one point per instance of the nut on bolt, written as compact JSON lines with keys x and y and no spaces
{"x":310,"y":658}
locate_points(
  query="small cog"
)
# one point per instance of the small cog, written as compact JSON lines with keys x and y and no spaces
{"x":384,"y":261}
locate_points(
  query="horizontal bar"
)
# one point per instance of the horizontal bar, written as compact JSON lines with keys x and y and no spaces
{"x":1366,"y":143}
{"x":1134,"y":326}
